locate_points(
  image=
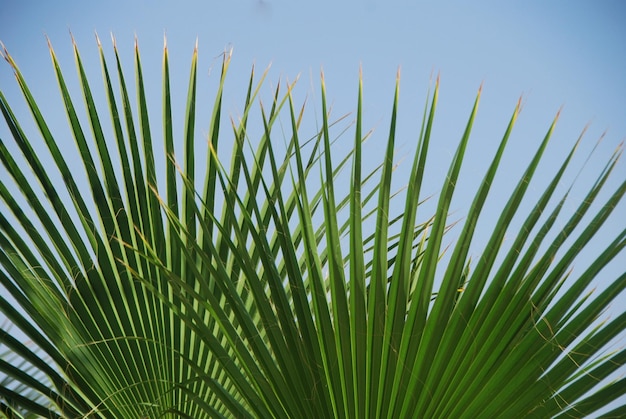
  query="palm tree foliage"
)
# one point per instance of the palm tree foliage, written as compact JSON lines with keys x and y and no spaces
{"x":251,"y":286}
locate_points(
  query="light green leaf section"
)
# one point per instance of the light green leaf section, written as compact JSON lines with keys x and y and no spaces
{"x":269,"y":276}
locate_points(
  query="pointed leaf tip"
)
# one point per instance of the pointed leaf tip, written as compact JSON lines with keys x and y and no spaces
{"x":97,"y":39}
{"x":586,"y":127}
{"x":558,"y":113}
{"x":3,"y":51}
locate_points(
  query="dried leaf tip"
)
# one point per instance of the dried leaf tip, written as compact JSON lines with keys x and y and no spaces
{"x":522,"y":103}
{"x":3,"y":51}
{"x":196,"y":47}
{"x":114,"y":41}
{"x":558,"y":113}
{"x":398,"y":73}
{"x":586,"y":127}
{"x":98,"y":39}
{"x":164,"y":40}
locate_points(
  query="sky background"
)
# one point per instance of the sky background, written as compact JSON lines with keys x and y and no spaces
{"x":569,"y":54}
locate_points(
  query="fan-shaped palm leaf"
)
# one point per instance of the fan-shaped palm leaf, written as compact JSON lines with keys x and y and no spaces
{"x":269,"y":289}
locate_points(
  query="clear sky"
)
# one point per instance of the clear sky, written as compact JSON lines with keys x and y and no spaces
{"x":565,"y":53}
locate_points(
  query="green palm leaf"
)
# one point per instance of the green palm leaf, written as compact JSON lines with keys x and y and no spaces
{"x":260,"y":286}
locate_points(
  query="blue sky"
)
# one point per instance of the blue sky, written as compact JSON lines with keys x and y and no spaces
{"x":569,"y":54}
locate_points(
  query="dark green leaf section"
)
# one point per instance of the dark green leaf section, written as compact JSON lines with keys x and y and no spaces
{"x":277,"y":280}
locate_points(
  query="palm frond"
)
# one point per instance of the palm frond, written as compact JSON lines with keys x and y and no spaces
{"x":260,"y":285}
